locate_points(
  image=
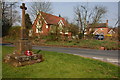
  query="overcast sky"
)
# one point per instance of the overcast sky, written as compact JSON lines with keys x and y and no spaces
{"x":66,"y":9}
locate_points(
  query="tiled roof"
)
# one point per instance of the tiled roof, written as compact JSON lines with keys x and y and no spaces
{"x":109,"y":29}
{"x":114,"y":29}
{"x":52,"y":19}
{"x":98,"y":25}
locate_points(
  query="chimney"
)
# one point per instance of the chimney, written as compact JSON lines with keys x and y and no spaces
{"x":59,"y":15}
{"x":106,"y":21}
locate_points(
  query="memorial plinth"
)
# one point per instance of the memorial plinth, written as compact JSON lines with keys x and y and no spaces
{"x":23,"y":55}
{"x":18,"y":60}
{"x":22,"y":46}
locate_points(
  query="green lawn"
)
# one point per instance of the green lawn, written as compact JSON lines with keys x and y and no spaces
{"x":60,"y":65}
{"x":82,"y":43}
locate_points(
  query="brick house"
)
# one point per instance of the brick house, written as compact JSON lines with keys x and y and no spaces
{"x":100,"y":28}
{"x":44,"y":23}
{"x":111,"y":32}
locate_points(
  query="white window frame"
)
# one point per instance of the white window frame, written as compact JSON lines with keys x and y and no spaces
{"x":46,"y":26}
{"x":36,"y":30}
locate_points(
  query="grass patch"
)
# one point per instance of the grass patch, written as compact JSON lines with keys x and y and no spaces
{"x":93,"y":44}
{"x":82,"y":43}
{"x":60,"y":65}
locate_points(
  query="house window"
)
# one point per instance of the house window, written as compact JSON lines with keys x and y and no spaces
{"x":36,"y":30}
{"x":66,"y":32}
{"x":60,"y":26}
{"x":46,"y":26}
{"x":90,"y":29}
{"x":38,"y":27}
{"x":101,"y":29}
{"x":61,"y":32}
{"x":30,"y":32}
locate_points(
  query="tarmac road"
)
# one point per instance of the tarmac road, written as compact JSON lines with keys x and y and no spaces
{"x":104,"y":55}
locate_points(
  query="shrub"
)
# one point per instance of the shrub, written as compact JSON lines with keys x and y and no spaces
{"x":14,"y":32}
{"x":89,"y":36}
{"x":53,"y":37}
{"x":80,"y":35}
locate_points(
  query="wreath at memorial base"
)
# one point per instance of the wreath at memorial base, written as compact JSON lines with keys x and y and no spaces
{"x":28,"y":53}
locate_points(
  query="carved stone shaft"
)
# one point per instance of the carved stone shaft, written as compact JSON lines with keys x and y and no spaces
{"x":23,"y":28}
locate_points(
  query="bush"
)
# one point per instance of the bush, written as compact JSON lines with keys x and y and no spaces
{"x":6,"y":25}
{"x":53,"y":37}
{"x":14,"y":32}
{"x":80,"y":35}
{"x":89,"y":36}
{"x":69,"y":41}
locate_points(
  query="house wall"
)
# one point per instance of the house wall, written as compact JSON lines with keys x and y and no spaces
{"x":45,"y":30}
{"x":45,"y":27}
{"x":34,"y":26}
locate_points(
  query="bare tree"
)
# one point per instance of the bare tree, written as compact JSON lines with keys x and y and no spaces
{"x":9,"y":11}
{"x":9,"y":16}
{"x":98,"y":13}
{"x":36,"y":7}
{"x":84,"y":15}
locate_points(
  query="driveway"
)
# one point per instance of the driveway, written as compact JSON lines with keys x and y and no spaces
{"x":104,"y":55}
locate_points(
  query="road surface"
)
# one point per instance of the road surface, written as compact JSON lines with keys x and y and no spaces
{"x":104,"y":55}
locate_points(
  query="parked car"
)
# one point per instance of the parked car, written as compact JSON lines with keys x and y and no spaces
{"x":99,"y":37}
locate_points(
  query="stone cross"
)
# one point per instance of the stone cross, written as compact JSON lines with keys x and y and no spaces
{"x":23,"y":44}
{"x":23,"y":32}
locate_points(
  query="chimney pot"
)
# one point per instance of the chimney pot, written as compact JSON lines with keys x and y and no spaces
{"x":106,"y":21}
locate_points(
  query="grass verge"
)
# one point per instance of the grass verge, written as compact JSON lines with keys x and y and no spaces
{"x":93,"y":44}
{"x":82,"y":43}
{"x":60,"y":65}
